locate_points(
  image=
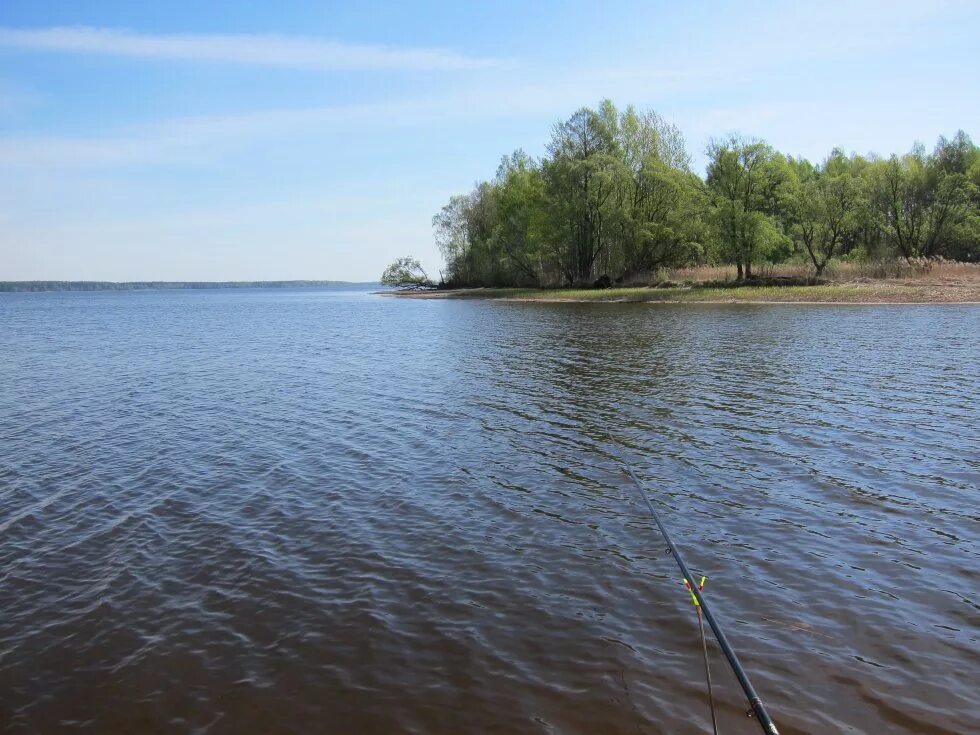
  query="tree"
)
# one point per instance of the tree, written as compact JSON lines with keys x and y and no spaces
{"x":452,"y":237}
{"x":645,"y":134}
{"x":581,"y":177}
{"x":821,"y":208}
{"x":615,"y":196}
{"x":921,"y":202}
{"x":955,"y":156}
{"x":406,"y":273}
{"x":745,"y":179}
{"x":656,"y":215}
{"x":481,"y":219}
{"x":520,"y":218}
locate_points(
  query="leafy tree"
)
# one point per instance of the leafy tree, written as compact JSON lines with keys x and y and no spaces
{"x":406,"y":273}
{"x":581,"y":177}
{"x":822,"y":207}
{"x":615,"y":196}
{"x":521,"y":218}
{"x":957,"y":163}
{"x":745,"y":179}
{"x":452,"y":238}
{"x":657,"y":221}
{"x":920,"y":203}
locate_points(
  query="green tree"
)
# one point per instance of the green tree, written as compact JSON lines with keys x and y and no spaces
{"x":656,"y":213}
{"x":822,"y":209}
{"x":615,"y":196}
{"x":745,"y":182}
{"x":955,"y":165}
{"x":922,"y":203}
{"x":406,"y":273}
{"x":581,"y":176}
{"x":521,"y":218}
{"x":452,"y":237}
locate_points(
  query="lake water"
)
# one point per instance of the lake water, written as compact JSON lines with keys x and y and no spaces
{"x":301,"y":511}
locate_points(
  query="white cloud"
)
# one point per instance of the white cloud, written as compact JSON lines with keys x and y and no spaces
{"x":256,"y":49}
{"x":189,"y":140}
{"x":206,"y":138}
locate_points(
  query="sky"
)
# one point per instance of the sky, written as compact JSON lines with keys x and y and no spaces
{"x":315,"y":140}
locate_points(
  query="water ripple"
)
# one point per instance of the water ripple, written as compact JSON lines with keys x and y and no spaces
{"x":295,"y":511}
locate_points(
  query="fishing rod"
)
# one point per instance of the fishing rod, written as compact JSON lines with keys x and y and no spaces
{"x":762,"y":716}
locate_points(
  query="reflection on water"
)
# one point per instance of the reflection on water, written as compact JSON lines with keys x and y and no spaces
{"x":324,"y":511}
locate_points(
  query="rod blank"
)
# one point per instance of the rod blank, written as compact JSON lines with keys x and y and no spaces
{"x":762,"y":716}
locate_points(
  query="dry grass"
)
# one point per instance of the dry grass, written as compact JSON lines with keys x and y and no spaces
{"x":922,"y":270}
{"x":890,"y":291}
{"x":855,"y":292}
{"x":891,"y":282}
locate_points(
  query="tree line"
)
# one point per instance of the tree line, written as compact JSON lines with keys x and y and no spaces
{"x":615,"y":198}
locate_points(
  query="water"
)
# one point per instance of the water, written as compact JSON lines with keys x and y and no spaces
{"x":326,"y":511}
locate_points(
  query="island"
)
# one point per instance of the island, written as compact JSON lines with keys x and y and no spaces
{"x":614,"y":211}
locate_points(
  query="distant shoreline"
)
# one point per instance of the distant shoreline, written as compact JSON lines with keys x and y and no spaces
{"x":860,"y":292}
{"x":37,"y":286}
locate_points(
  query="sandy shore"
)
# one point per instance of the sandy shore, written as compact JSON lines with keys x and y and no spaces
{"x":944,"y":291}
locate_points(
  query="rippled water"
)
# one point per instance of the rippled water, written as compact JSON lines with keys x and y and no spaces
{"x":326,"y":511}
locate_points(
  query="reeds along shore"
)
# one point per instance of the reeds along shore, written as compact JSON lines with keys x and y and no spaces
{"x":921,"y":270}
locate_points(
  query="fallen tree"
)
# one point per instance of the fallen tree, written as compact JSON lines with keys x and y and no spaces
{"x":408,"y":274}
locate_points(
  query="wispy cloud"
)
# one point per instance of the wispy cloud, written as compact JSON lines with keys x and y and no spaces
{"x":196,"y":140}
{"x":202,"y":139}
{"x":199,"y":140}
{"x":256,"y":49}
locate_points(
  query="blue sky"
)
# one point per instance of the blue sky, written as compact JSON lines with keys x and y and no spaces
{"x":247,"y":140}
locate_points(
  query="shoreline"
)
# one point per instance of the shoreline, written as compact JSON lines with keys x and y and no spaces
{"x":62,"y":286}
{"x":896,"y":293}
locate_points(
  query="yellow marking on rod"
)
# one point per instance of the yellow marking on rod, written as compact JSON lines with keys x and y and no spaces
{"x":700,"y":587}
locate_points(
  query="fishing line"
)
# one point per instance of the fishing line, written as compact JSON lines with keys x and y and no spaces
{"x":758,"y":708}
{"x":704,"y":648}
{"x":707,"y":674}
